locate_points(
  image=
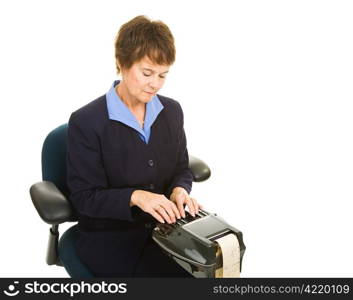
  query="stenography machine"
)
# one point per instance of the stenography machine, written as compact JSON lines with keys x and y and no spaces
{"x":204,"y":245}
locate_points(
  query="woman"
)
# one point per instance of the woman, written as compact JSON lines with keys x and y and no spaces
{"x":128,"y":161}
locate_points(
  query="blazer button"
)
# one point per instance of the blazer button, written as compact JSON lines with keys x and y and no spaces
{"x":151,"y":186}
{"x":151,"y":163}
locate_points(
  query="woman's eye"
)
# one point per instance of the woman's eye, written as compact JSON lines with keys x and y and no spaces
{"x":160,"y":76}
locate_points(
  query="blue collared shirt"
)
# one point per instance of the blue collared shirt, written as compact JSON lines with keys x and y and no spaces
{"x":118,"y":111}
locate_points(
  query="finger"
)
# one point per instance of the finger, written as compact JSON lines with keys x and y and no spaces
{"x":175,"y":209}
{"x":196,"y":205}
{"x":169,"y":211}
{"x":157,"y":216}
{"x":190,"y":204}
{"x":164,"y":214}
{"x":181,"y":208}
{"x":180,"y":201}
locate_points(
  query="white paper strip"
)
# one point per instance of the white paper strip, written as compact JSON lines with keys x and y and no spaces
{"x":230,"y":256}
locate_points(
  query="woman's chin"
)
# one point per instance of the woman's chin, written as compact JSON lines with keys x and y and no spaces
{"x":146,"y":98}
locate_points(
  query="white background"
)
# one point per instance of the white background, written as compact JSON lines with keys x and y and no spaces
{"x":266,"y":88}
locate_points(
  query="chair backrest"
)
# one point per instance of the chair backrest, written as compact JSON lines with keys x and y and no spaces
{"x":54,"y":158}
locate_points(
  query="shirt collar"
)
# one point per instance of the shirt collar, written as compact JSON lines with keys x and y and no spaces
{"x":118,"y":111}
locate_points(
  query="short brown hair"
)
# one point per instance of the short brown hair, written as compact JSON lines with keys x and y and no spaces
{"x":140,"y":37}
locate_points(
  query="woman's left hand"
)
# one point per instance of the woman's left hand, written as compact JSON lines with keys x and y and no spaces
{"x":180,"y":197}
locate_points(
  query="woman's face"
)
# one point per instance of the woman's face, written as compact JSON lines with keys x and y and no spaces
{"x":144,"y":79}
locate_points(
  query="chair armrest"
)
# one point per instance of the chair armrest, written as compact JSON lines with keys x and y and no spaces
{"x":52,"y":206}
{"x":199,"y":169}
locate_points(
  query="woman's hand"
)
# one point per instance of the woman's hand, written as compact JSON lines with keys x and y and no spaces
{"x":180,"y":197}
{"x":160,"y":207}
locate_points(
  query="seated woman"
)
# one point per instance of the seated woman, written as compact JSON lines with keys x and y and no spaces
{"x":128,"y":162}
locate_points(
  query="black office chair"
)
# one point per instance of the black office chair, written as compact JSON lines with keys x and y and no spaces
{"x":50,"y":198}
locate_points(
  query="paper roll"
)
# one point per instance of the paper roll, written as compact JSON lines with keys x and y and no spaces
{"x":230,"y":252}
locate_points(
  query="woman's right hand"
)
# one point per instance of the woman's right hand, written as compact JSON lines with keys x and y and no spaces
{"x":157,"y":205}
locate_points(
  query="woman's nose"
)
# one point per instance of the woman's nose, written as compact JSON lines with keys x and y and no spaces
{"x":155,"y":84}
{"x":152,"y":87}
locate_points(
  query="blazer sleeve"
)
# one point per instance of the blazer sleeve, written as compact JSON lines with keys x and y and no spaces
{"x":86,"y":178}
{"x":182,"y":175}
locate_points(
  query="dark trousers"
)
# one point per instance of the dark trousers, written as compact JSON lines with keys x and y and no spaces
{"x":155,"y":263}
{"x":102,"y":254}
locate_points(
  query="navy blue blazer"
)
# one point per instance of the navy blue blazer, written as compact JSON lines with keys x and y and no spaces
{"x":106,"y":162}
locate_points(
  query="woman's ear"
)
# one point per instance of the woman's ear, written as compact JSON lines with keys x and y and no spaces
{"x":118,"y":68}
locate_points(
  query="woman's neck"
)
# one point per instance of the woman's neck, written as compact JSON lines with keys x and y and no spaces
{"x":137,"y":108}
{"x":132,"y":103}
